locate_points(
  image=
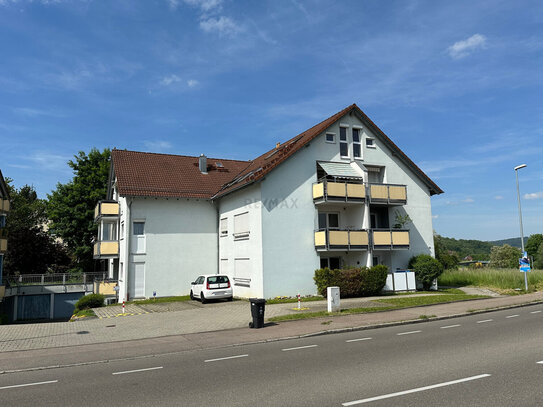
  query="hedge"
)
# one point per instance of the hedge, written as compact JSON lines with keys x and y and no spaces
{"x":426,"y":269}
{"x":90,"y":301}
{"x":352,"y":282}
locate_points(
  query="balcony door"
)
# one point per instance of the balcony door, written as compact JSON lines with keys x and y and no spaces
{"x":328,"y":220}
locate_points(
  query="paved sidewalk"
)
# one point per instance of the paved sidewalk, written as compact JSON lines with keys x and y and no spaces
{"x":222,"y":316}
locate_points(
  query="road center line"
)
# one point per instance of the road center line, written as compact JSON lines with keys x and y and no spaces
{"x":511,"y":316}
{"x":540,"y":363}
{"x":408,"y":333}
{"x":299,"y":347}
{"x":450,"y":326}
{"x":402,"y":393}
{"x":226,"y":358}
{"x":485,"y":320}
{"x":28,"y":384}
{"x":535,"y":312}
{"x":358,"y":340}
{"x":138,"y":370}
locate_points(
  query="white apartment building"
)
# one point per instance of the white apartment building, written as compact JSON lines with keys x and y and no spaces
{"x":328,"y":197}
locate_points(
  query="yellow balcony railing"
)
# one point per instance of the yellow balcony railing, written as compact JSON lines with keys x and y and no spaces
{"x":2,"y":291}
{"x":388,"y":193}
{"x":337,"y":239}
{"x":106,"y":208}
{"x":3,"y":244}
{"x":338,"y":191}
{"x":390,"y":239}
{"x":106,"y":250}
{"x":4,"y":205}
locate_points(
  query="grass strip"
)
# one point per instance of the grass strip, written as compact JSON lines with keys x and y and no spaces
{"x":508,"y":281}
{"x":390,"y":304}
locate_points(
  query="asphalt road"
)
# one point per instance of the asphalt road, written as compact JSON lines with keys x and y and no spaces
{"x":488,"y":359}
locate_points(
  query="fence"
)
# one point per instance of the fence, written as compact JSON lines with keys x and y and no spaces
{"x":54,"y":278}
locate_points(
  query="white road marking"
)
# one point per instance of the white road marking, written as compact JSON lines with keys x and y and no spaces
{"x":226,"y":358}
{"x":449,"y":326}
{"x":540,"y":363}
{"x":299,"y":347}
{"x":28,"y":384}
{"x":408,"y":333}
{"x":511,"y":316}
{"x":402,"y":393}
{"x":358,"y":340}
{"x":535,"y":312}
{"x":138,"y":370}
{"x":485,"y":320}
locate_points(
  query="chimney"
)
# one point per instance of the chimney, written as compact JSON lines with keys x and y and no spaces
{"x":277,"y":145}
{"x":203,"y":164}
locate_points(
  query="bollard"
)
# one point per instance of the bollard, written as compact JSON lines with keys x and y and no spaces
{"x":123,"y":306}
{"x":299,"y":302}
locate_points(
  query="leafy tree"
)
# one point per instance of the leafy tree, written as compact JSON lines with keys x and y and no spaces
{"x":533,"y":243}
{"x":504,"y":256}
{"x":448,"y":258}
{"x":538,"y":258}
{"x":71,"y":205}
{"x":31,"y":249}
{"x":426,"y":269}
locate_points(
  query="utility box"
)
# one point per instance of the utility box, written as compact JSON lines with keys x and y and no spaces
{"x":332,"y":293}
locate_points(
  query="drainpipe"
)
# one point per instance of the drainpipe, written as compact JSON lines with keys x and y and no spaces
{"x":367,"y":221}
{"x":123,"y":286}
{"x":218,"y":236}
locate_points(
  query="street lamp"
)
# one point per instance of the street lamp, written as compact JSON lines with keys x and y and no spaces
{"x":518,"y":167}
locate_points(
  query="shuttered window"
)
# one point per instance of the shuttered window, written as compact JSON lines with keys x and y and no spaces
{"x":224,"y":226}
{"x":241,"y":225}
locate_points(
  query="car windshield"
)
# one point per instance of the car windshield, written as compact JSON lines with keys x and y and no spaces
{"x":217,"y":279}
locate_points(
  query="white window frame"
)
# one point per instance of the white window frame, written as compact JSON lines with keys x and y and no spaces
{"x":328,"y":213}
{"x":141,"y":247}
{"x":223,"y":227}
{"x":346,"y":141}
{"x":359,"y":142}
{"x":372,"y":145}
{"x":333,"y":137}
{"x":241,"y":234}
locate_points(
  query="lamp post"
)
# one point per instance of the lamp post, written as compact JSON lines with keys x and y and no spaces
{"x":518,"y":167}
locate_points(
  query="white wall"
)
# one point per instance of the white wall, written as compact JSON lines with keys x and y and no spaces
{"x":242,"y":257}
{"x":180,"y":243}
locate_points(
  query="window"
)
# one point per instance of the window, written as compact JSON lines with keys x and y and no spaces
{"x":357,"y":147}
{"x":330,"y":138}
{"x":370,"y":143}
{"x":343,"y":144}
{"x":109,"y":231}
{"x":2,"y":221}
{"x":224,"y":227}
{"x":332,"y":263}
{"x":139,"y":228}
{"x":241,"y":225}
{"x":328,"y":220}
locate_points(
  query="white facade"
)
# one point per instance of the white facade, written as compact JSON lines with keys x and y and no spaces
{"x":263,"y":234}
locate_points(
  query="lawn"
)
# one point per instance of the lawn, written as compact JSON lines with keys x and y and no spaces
{"x":507,"y":281}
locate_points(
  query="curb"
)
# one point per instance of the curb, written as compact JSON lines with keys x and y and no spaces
{"x":285,"y":338}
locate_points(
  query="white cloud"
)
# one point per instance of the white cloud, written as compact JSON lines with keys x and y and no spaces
{"x":158,"y":146}
{"x":204,"y":5}
{"x":49,"y":161}
{"x":468,"y":200}
{"x":192,"y":83}
{"x":534,"y":195}
{"x":173,"y":4}
{"x":32,"y":112}
{"x":498,"y":197}
{"x":168,"y":80}
{"x":221,"y":25}
{"x":463,"y":48}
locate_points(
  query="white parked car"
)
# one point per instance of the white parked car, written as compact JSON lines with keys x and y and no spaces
{"x":211,"y":287}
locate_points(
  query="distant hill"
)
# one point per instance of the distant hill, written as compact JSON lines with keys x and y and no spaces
{"x":477,"y":249}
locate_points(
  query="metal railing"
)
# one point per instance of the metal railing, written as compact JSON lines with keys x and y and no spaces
{"x":53,"y":278}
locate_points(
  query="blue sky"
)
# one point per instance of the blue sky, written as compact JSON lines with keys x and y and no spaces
{"x":457,"y":85}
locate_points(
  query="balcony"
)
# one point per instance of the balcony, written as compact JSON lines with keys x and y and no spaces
{"x":390,"y":239}
{"x":334,"y":191}
{"x":109,"y":209}
{"x":336,"y":239}
{"x":4,"y":205}
{"x":3,"y":240}
{"x":106,"y":250}
{"x":388,"y":194}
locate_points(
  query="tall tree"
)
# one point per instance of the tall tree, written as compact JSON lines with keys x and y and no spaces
{"x":31,"y":249}
{"x":71,"y":205}
{"x":504,"y":256}
{"x":533,"y":243}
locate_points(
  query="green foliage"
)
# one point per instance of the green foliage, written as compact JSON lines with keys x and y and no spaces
{"x":448,"y":259}
{"x":31,"y":249}
{"x":3,"y":319}
{"x":476,"y":249}
{"x":401,"y":220}
{"x":501,"y":279}
{"x":353,"y":282}
{"x":90,"y":301}
{"x":538,"y":258}
{"x":71,"y":206}
{"x":426,"y":269}
{"x":504,"y":256}
{"x":533,"y":244}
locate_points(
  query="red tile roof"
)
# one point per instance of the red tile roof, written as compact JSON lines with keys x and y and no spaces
{"x":164,"y":175}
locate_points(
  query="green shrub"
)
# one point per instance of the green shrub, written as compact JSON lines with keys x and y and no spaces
{"x":3,"y":319}
{"x":90,"y":301}
{"x":426,"y":269}
{"x":353,"y":282}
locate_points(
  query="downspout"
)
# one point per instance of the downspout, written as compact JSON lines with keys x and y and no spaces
{"x":218,"y":236}
{"x":124,"y":294}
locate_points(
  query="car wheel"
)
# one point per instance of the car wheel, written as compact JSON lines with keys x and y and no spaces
{"x":202,"y":298}
{"x":191,"y":295}
{"x":231,"y":299}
